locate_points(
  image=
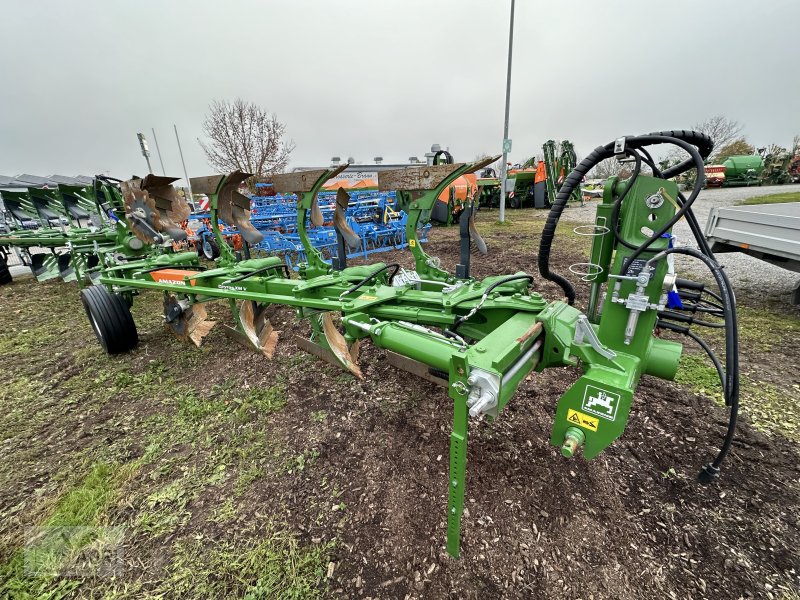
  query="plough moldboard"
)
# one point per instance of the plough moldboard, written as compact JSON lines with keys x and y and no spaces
{"x":479,"y":338}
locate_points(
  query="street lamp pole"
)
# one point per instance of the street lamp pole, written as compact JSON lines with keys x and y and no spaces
{"x":185,"y":174}
{"x":145,"y":151}
{"x":158,"y":151}
{"x":506,"y":141}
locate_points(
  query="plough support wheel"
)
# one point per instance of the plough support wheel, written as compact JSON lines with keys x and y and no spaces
{"x":110,"y":318}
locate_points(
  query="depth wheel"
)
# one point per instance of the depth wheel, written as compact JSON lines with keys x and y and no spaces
{"x":5,"y":273}
{"x":110,"y":318}
{"x":210,"y":249}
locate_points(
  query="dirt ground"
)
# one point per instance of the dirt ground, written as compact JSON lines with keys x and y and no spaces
{"x":229,"y":475}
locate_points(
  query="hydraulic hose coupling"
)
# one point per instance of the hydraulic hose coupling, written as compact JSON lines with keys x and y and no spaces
{"x":573,"y":440}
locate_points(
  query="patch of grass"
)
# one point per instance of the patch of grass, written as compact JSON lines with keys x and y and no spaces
{"x":17,"y":396}
{"x":192,"y":407}
{"x":695,"y":371}
{"x":301,"y":461}
{"x":246,"y":477}
{"x":260,"y":401}
{"x":759,"y":329}
{"x":224,"y":513}
{"x":165,"y":509}
{"x":73,"y":524}
{"x":773,"y":198}
{"x":319,"y":416}
{"x":195,"y":407}
{"x":770,"y":409}
{"x":273,"y":567}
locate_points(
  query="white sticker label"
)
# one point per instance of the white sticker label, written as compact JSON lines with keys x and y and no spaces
{"x":600,"y":402}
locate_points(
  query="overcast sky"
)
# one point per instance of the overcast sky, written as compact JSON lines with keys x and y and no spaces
{"x":383,"y":77}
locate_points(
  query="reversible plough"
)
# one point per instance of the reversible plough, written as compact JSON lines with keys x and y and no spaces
{"x":76,"y":226}
{"x":478,"y":338}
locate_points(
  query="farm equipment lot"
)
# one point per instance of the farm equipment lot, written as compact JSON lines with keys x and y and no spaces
{"x":228,"y":474}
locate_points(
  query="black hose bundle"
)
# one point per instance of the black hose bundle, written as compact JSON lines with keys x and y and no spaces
{"x":697,"y":144}
{"x":699,"y":147}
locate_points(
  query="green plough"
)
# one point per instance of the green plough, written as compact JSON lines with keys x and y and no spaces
{"x":478,"y":338}
{"x":77,"y":228}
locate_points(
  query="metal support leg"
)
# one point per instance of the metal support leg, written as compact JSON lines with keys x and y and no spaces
{"x":340,"y":260}
{"x":462,"y":269}
{"x":458,"y":472}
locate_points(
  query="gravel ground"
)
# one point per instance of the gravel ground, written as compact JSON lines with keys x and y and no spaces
{"x":746,"y":273}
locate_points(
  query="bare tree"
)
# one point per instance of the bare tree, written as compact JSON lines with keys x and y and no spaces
{"x":611,"y":167}
{"x":244,"y":136}
{"x":607,"y":168}
{"x":722,"y":130}
{"x":495,"y":165}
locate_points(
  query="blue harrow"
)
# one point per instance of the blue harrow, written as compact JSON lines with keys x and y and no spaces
{"x":371,"y":215}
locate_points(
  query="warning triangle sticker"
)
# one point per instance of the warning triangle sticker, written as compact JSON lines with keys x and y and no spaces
{"x":574,"y":418}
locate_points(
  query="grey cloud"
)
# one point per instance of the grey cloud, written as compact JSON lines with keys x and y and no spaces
{"x":367,"y":78}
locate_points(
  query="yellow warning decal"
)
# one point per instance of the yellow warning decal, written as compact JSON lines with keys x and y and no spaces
{"x":412,"y":242}
{"x":582,"y":420}
{"x":367,"y":297}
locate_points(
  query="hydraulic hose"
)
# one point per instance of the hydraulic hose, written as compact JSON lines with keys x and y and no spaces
{"x":372,"y":276}
{"x":684,"y":208}
{"x":730,"y":383}
{"x":699,"y":147}
{"x":598,"y":155}
{"x":703,"y":144}
{"x":460,"y":320}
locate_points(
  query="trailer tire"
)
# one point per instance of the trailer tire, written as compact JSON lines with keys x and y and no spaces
{"x":5,"y":273}
{"x":110,"y":318}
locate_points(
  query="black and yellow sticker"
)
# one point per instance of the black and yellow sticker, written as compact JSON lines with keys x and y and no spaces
{"x":582,"y":420}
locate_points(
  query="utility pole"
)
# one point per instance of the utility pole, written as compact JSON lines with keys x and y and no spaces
{"x":185,"y":174}
{"x":145,"y":151}
{"x":506,"y":141}
{"x":158,"y":151}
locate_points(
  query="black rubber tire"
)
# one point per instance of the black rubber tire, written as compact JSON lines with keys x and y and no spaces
{"x":513,"y":202}
{"x":110,"y":318}
{"x":5,"y":274}
{"x":210,"y":249}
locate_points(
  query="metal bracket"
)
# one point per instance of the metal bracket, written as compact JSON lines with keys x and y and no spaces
{"x":619,"y":146}
{"x":584,"y":329}
{"x":484,"y":393}
{"x":619,"y":151}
